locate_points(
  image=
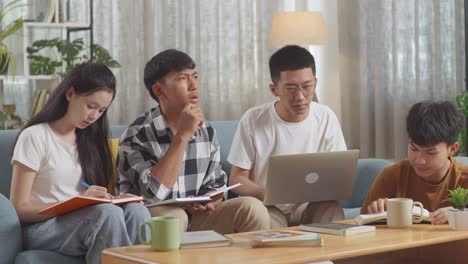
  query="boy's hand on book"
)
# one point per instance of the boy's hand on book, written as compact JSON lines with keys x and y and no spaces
{"x":98,"y":191}
{"x":377,"y":206}
{"x":440,"y":216}
{"x":217,"y":197}
{"x":197,"y":208}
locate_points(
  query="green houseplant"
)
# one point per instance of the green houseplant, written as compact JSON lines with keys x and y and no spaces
{"x":462,"y":103}
{"x":6,"y":57}
{"x":458,"y":197}
{"x":458,"y":218}
{"x":8,"y":118}
{"x":59,"y":56}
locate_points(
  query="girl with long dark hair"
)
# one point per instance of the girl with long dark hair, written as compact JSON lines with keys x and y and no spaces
{"x":65,"y":143}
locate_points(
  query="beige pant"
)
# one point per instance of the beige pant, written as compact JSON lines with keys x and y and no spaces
{"x":236,"y":215}
{"x":306,"y":213}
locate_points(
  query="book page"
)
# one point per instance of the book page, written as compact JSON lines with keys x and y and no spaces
{"x":117,"y":200}
{"x":181,"y":201}
{"x":223,"y":189}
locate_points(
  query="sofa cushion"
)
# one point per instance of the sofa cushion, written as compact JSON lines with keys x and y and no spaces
{"x":225,"y":131}
{"x":116,"y":131}
{"x":462,"y":159}
{"x":10,"y":231}
{"x":6,"y":141}
{"x":351,"y":213}
{"x":367,"y":171}
{"x":46,"y":257}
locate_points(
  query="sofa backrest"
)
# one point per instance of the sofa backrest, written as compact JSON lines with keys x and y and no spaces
{"x":462,"y":159}
{"x":367,"y":171}
{"x":225,"y":131}
{"x":10,"y":231}
{"x":6,"y":141}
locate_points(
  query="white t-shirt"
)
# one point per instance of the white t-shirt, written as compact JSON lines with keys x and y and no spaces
{"x":56,"y":163}
{"x":262,"y":133}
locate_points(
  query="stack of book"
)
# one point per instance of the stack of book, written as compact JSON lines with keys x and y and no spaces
{"x":284,"y":238}
{"x":203,"y":239}
{"x":337,"y":228}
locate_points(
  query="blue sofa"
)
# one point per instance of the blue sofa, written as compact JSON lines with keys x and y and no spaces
{"x":10,"y":231}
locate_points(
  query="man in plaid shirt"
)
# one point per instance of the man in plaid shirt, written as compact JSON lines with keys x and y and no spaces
{"x":171,"y":151}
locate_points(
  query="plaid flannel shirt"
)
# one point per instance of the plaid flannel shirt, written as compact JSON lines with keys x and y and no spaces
{"x":144,"y":143}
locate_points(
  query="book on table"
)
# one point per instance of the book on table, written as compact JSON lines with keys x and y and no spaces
{"x":284,"y":238}
{"x":337,"y":228}
{"x":203,"y":239}
{"x":381,"y":218}
{"x":209,"y":197}
{"x":78,"y":202}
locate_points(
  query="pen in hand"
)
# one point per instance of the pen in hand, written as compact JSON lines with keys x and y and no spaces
{"x":84,"y":184}
{"x":96,"y":191}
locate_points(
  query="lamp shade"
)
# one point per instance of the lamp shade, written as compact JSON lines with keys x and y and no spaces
{"x":298,"y":28}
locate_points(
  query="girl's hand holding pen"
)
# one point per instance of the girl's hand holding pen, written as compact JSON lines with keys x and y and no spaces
{"x":96,"y":191}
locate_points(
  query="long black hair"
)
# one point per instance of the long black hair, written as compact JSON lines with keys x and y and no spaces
{"x":93,"y":141}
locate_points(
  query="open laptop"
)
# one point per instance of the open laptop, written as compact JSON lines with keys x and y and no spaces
{"x":311,"y":177}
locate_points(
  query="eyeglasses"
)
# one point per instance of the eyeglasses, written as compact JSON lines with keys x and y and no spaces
{"x":306,"y":89}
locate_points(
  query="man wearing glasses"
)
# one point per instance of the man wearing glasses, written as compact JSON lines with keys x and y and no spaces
{"x":291,"y":125}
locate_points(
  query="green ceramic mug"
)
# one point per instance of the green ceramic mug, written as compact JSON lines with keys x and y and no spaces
{"x":165,"y":233}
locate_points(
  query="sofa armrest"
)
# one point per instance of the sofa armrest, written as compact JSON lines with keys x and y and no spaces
{"x":10,"y":231}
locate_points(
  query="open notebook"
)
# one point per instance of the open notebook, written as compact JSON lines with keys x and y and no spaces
{"x":78,"y":202}
{"x":212,"y":196}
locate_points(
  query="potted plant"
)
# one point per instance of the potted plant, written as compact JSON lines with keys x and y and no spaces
{"x":6,"y":58}
{"x":66,"y":55}
{"x":458,"y":217}
{"x":8,"y":118}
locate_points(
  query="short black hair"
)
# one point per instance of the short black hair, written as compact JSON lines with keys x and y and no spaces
{"x":429,"y":123}
{"x":290,"y":58}
{"x":163,"y":63}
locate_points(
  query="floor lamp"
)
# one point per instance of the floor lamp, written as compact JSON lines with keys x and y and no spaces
{"x":298,"y":28}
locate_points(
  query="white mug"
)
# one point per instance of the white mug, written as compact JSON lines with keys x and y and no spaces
{"x":400,"y":212}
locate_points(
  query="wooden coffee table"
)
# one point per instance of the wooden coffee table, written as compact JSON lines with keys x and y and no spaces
{"x":420,"y":244}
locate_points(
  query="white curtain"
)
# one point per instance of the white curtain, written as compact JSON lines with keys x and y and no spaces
{"x":227,"y":40}
{"x":394,"y":53}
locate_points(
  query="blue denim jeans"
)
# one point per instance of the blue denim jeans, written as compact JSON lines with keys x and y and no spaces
{"x":88,"y":231}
